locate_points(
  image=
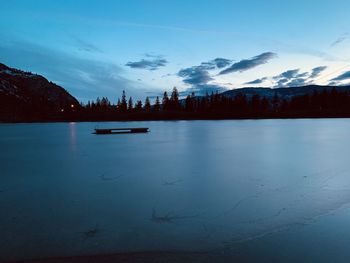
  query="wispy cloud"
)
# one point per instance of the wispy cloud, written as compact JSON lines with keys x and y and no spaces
{"x":151,"y":55}
{"x":317,"y":71}
{"x":289,"y":74}
{"x":340,"y":39}
{"x":247,"y":64}
{"x":341,"y":77}
{"x":150,"y":64}
{"x":292,"y":78}
{"x":86,"y":46}
{"x":259,"y":38}
{"x":256,"y":81}
{"x":307,"y":50}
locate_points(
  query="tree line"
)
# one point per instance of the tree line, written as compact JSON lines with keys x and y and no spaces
{"x":325,"y":103}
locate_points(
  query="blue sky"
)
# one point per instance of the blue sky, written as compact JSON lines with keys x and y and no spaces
{"x":99,"y":48}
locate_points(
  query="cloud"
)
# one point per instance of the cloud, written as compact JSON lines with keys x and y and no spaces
{"x":83,"y":77}
{"x":339,"y":40}
{"x":317,"y":71}
{"x":86,"y":46}
{"x":195,"y":75}
{"x":257,"y":81}
{"x":199,"y":75}
{"x":307,"y":50}
{"x":344,"y":76}
{"x":203,"y":89}
{"x":289,"y":74}
{"x":167,"y":75}
{"x":221,"y":62}
{"x":150,"y":55}
{"x":297,"y":82}
{"x":217,"y":63}
{"x":333,"y":83}
{"x":292,"y":78}
{"x":247,"y":64}
{"x":303,"y":75}
{"x":149,"y":64}
{"x":282,"y":82}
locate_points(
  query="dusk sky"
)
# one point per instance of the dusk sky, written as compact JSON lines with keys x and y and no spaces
{"x":99,"y":48}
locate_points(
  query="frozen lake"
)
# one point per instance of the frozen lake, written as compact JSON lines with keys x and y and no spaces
{"x":254,"y":190}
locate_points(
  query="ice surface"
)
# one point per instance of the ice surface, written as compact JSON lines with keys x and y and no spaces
{"x":185,"y":186}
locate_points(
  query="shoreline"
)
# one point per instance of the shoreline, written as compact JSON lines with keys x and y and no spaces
{"x":147,"y":257}
{"x":173,"y":119}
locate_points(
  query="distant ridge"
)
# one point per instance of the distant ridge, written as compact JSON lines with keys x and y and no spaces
{"x":284,"y":93}
{"x":27,"y":95}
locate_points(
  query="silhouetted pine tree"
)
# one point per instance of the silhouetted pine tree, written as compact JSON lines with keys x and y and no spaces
{"x":156,"y":106}
{"x":265,"y":105}
{"x":275,"y":103}
{"x":240,"y":104}
{"x":98,"y":103}
{"x":189,"y":104}
{"x":147,"y":105}
{"x":105,"y":104}
{"x":118,"y":105}
{"x":138,"y":105}
{"x":165,"y":101}
{"x":203,"y":103}
{"x":255,"y":104}
{"x":130,"y":104}
{"x":123,"y":104}
{"x":174,"y":100}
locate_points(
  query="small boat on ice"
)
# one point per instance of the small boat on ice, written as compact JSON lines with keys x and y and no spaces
{"x":121,"y":130}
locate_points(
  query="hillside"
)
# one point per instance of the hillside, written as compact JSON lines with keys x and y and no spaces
{"x":24,"y":95}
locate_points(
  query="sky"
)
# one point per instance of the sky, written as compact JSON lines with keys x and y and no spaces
{"x":145,"y":47}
